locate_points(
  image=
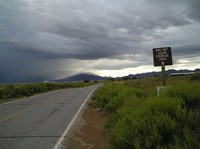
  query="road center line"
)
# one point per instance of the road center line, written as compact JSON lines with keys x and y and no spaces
{"x":20,"y":112}
{"x":25,"y":110}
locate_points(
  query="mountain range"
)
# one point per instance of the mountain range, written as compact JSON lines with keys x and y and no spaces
{"x":82,"y":77}
{"x":168,"y":72}
{"x":90,"y":77}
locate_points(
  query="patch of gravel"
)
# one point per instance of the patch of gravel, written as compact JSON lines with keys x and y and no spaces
{"x":88,"y":131}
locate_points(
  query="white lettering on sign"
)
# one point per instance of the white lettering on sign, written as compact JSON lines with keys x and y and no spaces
{"x":162,"y":54}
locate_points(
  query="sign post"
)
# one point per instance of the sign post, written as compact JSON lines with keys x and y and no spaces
{"x":163,"y":74}
{"x":162,"y":57}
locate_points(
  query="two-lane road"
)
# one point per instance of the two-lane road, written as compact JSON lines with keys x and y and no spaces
{"x":39,"y":121}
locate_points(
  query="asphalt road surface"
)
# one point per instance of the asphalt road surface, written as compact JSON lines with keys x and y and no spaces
{"x":39,"y":121}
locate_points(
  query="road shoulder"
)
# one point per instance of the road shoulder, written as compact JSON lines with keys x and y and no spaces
{"x":89,"y":131}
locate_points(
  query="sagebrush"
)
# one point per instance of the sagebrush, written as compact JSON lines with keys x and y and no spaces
{"x":139,"y":119}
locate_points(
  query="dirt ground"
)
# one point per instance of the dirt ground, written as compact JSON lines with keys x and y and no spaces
{"x":89,"y":131}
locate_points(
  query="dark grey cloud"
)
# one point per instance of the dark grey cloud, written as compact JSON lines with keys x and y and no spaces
{"x":187,"y":51}
{"x":45,"y":31}
{"x":185,"y":8}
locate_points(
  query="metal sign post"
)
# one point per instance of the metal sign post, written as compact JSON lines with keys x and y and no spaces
{"x":162,"y":57}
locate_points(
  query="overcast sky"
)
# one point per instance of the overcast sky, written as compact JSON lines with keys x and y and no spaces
{"x":106,"y":37}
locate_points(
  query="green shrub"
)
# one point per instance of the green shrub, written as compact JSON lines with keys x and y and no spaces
{"x":10,"y":91}
{"x":154,"y":123}
{"x":22,"y":91}
{"x":195,"y":77}
{"x":140,"y":120}
{"x":189,"y":92}
{"x":104,"y":94}
{"x":112,"y":95}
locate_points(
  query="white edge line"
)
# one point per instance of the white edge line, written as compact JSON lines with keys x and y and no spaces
{"x":59,"y":143}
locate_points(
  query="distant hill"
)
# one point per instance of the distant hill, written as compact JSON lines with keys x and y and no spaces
{"x":197,"y":70}
{"x":82,"y":77}
{"x":152,"y":74}
{"x":42,"y":78}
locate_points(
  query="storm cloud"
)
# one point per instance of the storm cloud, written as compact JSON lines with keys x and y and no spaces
{"x":44,"y":37}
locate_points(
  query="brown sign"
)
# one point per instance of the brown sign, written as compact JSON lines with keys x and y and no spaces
{"x":162,"y":55}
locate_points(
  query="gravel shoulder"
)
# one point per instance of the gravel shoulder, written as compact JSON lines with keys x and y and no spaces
{"x":89,"y":131}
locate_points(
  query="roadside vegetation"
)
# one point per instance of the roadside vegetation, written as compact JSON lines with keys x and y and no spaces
{"x":10,"y":92}
{"x":139,"y":119}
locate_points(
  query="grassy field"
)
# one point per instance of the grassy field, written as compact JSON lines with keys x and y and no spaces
{"x":139,"y":119}
{"x":9,"y":92}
